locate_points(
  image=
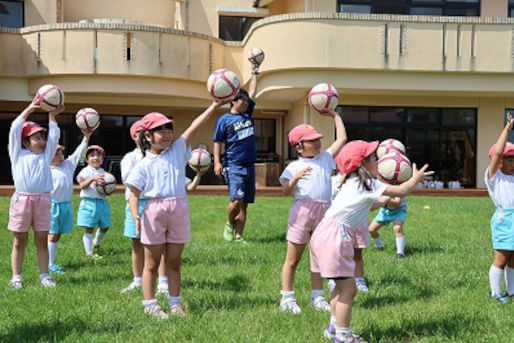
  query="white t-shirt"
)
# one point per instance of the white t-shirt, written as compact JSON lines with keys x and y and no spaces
{"x":62,"y":175}
{"x":31,"y":172}
{"x":336,"y":184}
{"x":90,"y":191}
{"x":317,"y":185}
{"x":163,"y":175}
{"x":352,"y":204}
{"x":501,"y":189}
{"x":127,"y":164}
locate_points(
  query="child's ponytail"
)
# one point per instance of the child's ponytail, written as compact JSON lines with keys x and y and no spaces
{"x":143,"y":143}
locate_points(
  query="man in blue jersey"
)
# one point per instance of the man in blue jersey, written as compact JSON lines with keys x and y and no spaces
{"x":235,"y":130}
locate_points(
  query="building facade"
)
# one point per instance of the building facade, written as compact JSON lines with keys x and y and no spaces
{"x":436,"y":74}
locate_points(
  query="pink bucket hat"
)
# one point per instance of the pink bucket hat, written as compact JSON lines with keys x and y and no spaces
{"x":29,"y":128}
{"x":303,"y":132}
{"x":135,"y":128}
{"x":507,"y":151}
{"x":153,"y":120}
{"x":352,"y":154}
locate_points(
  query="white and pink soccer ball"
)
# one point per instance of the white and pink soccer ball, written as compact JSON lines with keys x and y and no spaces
{"x":256,"y":56}
{"x":323,"y":97}
{"x":223,"y":84}
{"x":390,"y":145}
{"x":200,"y":160}
{"x":394,"y":168}
{"x":87,"y":119}
{"x":106,"y":186}
{"x":50,"y":97}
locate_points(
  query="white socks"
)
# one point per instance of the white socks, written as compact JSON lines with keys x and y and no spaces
{"x":400,"y":245}
{"x":287,"y":294}
{"x":509,"y":276}
{"x":163,"y":282}
{"x":173,"y":301}
{"x":52,"y":250}
{"x":316,"y":293}
{"x":378,"y":243}
{"x":87,"y":239}
{"x":98,"y":237}
{"x":138,"y":281}
{"x":149,"y":303}
{"x":495,"y":280}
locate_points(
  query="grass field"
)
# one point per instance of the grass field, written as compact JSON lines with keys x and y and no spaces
{"x":231,"y":292}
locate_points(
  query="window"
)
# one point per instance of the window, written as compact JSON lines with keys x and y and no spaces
{"x":414,"y":7}
{"x":511,"y":134}
{"x":235,"y":28}
{"x":511,"y":8}
{"x":11,"y":13}
{"x":445,"y":138}
{"x":265,"y":140}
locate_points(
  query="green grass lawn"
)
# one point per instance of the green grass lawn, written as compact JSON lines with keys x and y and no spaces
{"x":231,"y":292}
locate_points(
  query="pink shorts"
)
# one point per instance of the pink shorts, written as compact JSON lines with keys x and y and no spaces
{"x":360,"y":235}
{"x":166,"y":220}
{"x":29,"y":209}
{"x":304,"y":216}
{"x":331,"y":250}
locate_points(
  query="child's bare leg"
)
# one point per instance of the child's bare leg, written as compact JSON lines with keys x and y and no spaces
{"x":293,"y":256}
{"x":18,"y":251}
{"x":152,"y":261}
{"x":373,"y":232}
{"x":343,"y":308}
{"x":41,"y":243}
{"x":173,"y":265}
{"x":400,"y":237}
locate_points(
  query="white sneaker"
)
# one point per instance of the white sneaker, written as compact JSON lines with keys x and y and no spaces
{"x":162,"y":290}
{"x":320,"y":304}
{"x":48,"y":282}
{"x":132,"y":287}
{"x":16,"y":284}
{"x":290,"y":305}
{"x":177,"y":310}
{"x":156,"y":311}
{"x":362,"y":286}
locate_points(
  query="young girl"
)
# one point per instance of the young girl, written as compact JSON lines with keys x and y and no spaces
{"x":309,"y":179}
{"x":499,"y":179}
{"x":333,"y":241}
{"x":62,"y":212}
{"x":31,"y":152}
{"x":394,"y":211}
{"x":164,"y":224}
{"x":94,"y":210}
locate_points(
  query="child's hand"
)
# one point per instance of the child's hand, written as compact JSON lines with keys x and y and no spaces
{"x":510,"y":121}
{"x":331,"y":113}
{"x":137,"y":221}
{"x":87,"y":133}
{"x":58,"y":110}
{"x":35,"y":104}
{"x":218,"y":103}
{"x":218,"y":168}
{"x":303,"y":174}
{"x":255,"y":68}
{"x":98,"y":177}
{"x":421,"y":174}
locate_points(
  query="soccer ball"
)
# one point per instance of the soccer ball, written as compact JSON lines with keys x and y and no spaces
{"x":50,"y":97}
{"x":323,"y":97}
{"x":200,"y":160}
{"x":223,"y":84}
{"x":390,"y":145}
{"x":394,"y":168}
{"x":87,"y":119}
{"x":256,"y":55}
{"x":106,"y":186}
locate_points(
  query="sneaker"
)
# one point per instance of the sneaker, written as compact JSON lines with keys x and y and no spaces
{"x":16,"y":284}
{"x":228,"y":233}
{"x":240,"y":240}
{"x":400,"y":256}
{"x":132,"y":287}
{"x":362,"y":286}
{"x":320,"y":304}
{"x":56,"y":269}
{"x":502,"y":297}
{"x":381,"y":248}
{"x":348,"y":339}
{"x":94,"y":256}
{"x":162,"y":290}
{"x":290,"y":305}
{"x":177,"y":310}
{"x":330,"y":331}
{"x":156,"y":311}
{"x":48,"y":282}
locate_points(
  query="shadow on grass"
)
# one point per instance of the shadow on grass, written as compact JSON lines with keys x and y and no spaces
{"x":423,"y":249}
{"x":280,"y":238}
{"x":236,"y":283}
{"x":230,"y":302}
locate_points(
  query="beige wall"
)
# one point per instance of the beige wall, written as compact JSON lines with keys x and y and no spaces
{"x":494,"y":8}
{"x":39,"y":12}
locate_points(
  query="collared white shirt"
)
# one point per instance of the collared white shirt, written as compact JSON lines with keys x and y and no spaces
{"x":127,"y":164}
{"x":501,"y":189}
{"x":90,"y":191}
{"x":62,"y":175}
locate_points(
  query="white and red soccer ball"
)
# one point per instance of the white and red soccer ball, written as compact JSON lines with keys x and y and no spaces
{"x":256,"y":56}
{"x":200,"y":160}
{"x":223,"y":84}
{"x":50,"y":97}
{"x":106,"y":186}
{"x":390,"y":145}
{"x":394,"y":168}
{"x":87,"y":119}
{"x":323,"y":97}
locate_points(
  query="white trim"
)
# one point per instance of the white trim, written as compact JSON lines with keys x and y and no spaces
{"x":242,"y":11}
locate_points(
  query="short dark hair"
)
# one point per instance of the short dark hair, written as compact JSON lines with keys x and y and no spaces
{"x":240,"y":94}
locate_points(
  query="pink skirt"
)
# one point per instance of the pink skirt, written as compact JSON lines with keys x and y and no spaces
{"x":304,"y":217}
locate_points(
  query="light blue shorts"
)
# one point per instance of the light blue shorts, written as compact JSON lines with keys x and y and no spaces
{"x":386,"y":215}
{"x":62,"y":218}
{"x":130,"y":225}
{"x":94,"y":213}
{"x":502,"y":229}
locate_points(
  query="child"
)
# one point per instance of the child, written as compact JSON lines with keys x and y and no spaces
{"x":235,"y":130}
{"x":31,"y":153}
{"x":62,"y":212}
{"x":94,"y":210}
{"x":394,"y":211}
{"x":499,"y":179}
{"x":333,"y":241}
{"x":308,"y":178}
{"x":164,"y":223}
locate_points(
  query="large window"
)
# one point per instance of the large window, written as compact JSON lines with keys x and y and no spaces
{"x":465,"y":8}
{"x":445,"y":138}
{"x":511,"y":8}
{"x":511,"y":134}
{"x":235,"y":28}
{"x":11,"y":13}
{"x":265,"y":140}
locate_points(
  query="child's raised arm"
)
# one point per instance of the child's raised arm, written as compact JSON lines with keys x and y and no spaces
{"x":341,"y":137}
{"x":496,"y":158}
{"x":201,"y":119}
{"x":252,"y":89}
{"x":406,"y":187}
{"x":75,"y":157}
